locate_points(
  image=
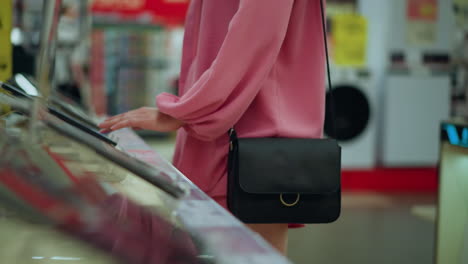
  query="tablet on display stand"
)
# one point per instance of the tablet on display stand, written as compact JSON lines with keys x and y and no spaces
{"x":65,"y":116}
{"x":141,"y":169}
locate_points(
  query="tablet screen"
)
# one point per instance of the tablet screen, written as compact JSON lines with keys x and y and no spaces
{"x":139,"y":168}
{"x":78,"y":123}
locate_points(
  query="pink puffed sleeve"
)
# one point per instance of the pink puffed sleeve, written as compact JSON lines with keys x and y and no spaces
{"x":224,"y":91}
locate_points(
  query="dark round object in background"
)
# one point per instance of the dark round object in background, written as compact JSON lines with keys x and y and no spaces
{"x":351,"y":113}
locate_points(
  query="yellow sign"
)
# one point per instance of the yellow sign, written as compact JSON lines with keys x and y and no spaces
{"x":5,"y":42}
{"x":349,"y":33}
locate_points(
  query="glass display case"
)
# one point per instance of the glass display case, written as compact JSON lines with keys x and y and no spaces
{"x":67,"y":198}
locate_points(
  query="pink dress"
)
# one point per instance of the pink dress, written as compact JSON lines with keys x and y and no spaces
{"x":258,"y":65}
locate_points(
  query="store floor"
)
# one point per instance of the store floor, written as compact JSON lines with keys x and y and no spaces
{"x":373,"y":228}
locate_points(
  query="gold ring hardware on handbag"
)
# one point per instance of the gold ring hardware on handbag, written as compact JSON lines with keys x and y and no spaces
{"x":298,"y":197}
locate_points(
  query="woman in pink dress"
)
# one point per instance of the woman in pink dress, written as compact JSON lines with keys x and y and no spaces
{"x":257,"y":65}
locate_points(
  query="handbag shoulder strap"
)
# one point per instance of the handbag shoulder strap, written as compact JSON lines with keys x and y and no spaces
{"x":330,"y":106}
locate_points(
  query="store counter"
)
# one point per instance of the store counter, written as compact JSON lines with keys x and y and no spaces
{"x":225,"y":240}
{"x":232,"y":241}
{"x":452,"y":218}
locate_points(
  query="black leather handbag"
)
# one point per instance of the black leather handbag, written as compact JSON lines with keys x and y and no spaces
{"x":285,"y":180}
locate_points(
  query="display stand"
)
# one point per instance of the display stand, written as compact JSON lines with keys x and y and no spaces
{"x":452,"y":217}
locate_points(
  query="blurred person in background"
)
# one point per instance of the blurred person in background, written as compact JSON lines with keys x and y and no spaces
{"x":258,"y":66}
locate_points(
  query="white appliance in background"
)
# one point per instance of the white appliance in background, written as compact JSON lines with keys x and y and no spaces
{"x":413,"y":107}
{"x":355,"y":103}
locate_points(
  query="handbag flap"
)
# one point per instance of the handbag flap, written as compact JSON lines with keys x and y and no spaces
{"x":289,"y":165}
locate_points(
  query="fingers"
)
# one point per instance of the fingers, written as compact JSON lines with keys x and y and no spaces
{"x":105,"y":131}
{"x":111,"y":121}
{"x":108,"y":123}
{"x":142,"y":118}
{"x":115,"y":125}
{"x":121,"y":124}
{"x":128,"y":115}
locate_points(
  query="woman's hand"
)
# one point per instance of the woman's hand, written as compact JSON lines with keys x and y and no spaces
{"x":148,"y":118}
